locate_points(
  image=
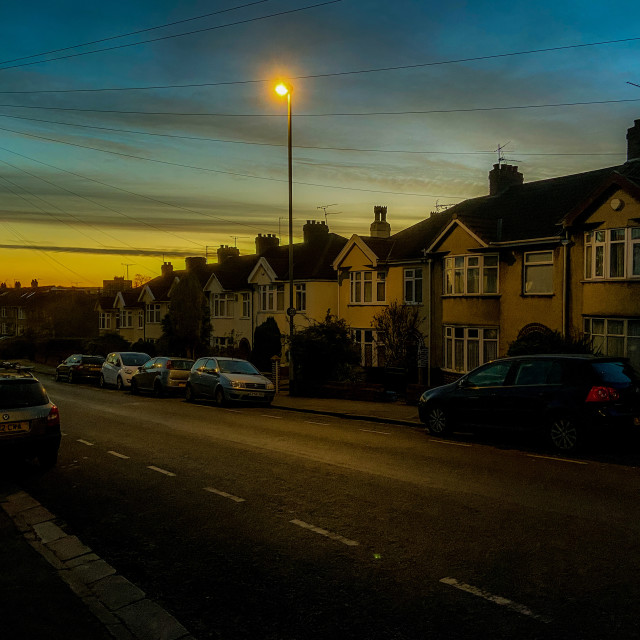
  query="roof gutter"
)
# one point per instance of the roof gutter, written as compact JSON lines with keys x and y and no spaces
{"x":519,"y":243}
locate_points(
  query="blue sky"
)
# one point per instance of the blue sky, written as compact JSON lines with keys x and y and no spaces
{"x":104,"y":183}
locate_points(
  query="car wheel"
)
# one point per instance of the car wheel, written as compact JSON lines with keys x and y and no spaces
{"x":71,"y":377}
{"x":438,"y":421}
{"x":563,"y":433}
{"x":57,"y":376}
{"x":101,"y":382}
{"x":189,"y":394}
{"x":134,"y":388}
{"x":48,"y":458}
{"x":158,"y":391}
{"x":119,"y":384}
{"x":221,"y":400}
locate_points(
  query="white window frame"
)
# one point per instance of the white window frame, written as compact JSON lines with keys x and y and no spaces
{"x":104,"y":320}
{"x":462,"y":271}
{"x":531,"y":266}
{"x":614,"y":336}
{"x":468,"y":347}
{"x":413,"y":285}
{"x":126,"y":319}
{"x":153,"y":313}
{"x":271,"y":297}
{"x":599,"y":254}
{"x":222,"y":305}
{"x":246,"y":305}
{"x":364,"y":288}
{"x":300,"y":296}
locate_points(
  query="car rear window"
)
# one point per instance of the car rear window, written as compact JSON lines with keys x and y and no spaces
{"x":182,"y":365}
{"x":22,"y":393}
{"x":615,"y":372}
{"x":92,"y":360}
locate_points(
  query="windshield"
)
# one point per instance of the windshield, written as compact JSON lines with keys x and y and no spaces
{"x":238,"y":366}
{"x":134,"y":359}
{"x":22,"y":393}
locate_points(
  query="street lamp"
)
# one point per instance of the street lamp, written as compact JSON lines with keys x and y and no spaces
{"x":285,"y":90}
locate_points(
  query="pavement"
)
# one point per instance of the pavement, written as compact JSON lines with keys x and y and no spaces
{"x":53,"y":586}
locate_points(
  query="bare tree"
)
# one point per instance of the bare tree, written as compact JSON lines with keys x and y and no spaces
{"x":397,"y":330}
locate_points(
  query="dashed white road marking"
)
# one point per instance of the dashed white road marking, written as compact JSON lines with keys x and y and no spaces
{"x":324,"y":532}
{"x":233,"y":410}
{"x":458,"y":444}
{"x":224,"y":494}
{"x":268,"y":415}
{"x":385,"y":433}
{"x":532,"y":455}
{"x":118,"y":455}
{"x":504,"y":602}
{"x":89,"y":444}
{"x":159,"y":470}
{"x":324,"y":424}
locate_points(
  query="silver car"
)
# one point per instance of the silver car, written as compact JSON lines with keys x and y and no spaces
{"x":228,"y":379}
{"x":164,"y":376}
{"x":119,"y":366}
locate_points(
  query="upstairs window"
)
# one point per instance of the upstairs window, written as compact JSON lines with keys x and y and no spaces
{"x":153,"y":314}
{"x":222,"y":305}
{"x":301,"y":297}
{"x":612,"y":254}
{"x":538,"y":272}
{"x":471,"y":275}
{"x":272,"y":297}
{"x":246,"y":305}
{"x":413,"y":286}
{"x":127,"y":319}
{"x":367,"y":287}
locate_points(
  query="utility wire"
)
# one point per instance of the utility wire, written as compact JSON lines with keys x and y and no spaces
{"x":176,"y":35}
{"x":341,"y":73}
{"x":230,"y":173}
{"x":296,"y":146}
{"x":132,"y":33}
{"x":323,"y":115}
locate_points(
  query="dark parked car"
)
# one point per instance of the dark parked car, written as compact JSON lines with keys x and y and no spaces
{"x":163,"y":376}
{"x":29,"y":421}
{"x":567,"y":398}
{"x":79,"y":366}
{"x":228,"y":379}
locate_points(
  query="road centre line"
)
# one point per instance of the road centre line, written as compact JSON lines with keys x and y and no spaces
{"x":324,"y":424}
{"x":385,"y":433}
{"x":324,"y":532}
{"x":163,"y":471}
{"x":267,"y":415}
{"x":89,"y":444}
{"x":459,"y":444}
{"x":505,"y":602}
{"x":233,"y":410}
{"x":224,"y":494}
{"x":532,"y":455}
{"x":118,"y":455}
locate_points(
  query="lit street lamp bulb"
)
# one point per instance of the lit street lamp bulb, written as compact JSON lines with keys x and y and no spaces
{"x":282,"y":89}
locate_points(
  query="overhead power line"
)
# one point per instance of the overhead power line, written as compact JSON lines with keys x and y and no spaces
{"x":332,"y":74}
{"x":175,"y":35}
{"x":321,"y":115}
{"x":133,"y":33}
{"x":297,"y":146}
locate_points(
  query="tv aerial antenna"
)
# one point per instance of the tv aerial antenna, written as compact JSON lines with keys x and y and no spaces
{"x":501,"y":156}
{"x":127,"y":265}
{"x":235,"y":239}
{"x":324,"y":208}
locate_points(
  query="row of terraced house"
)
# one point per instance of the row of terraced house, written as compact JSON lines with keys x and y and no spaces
{"x":561,"y":254}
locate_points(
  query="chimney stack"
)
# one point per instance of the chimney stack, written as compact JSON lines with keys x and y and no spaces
{"x":263,"y":243}
{"x":34,"y":284}
{"x":315,"y":231}
{"x":225,"y":252}
{"x":380,"y":228}
{"x":195,"y":263}
{"x":503,"y":176}
{"x":166,"y":269}
{"x":633,"y":142}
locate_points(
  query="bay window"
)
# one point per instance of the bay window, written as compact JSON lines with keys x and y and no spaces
{"x":612,"y":253}
{"x":466,"y":348}
{"x":471,"y":275}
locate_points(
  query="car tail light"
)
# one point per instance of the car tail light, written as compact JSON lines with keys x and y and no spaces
{"x":603,"y":394}
{"x":53,"y":419}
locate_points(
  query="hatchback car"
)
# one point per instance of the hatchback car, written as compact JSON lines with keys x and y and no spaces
{"x":119,"y":366}
{"x":163,"y":376}
{"x":228,"y":379}
{"x":567,"y":398}
{"x":29,"y":421}
{"x":78,"y":366}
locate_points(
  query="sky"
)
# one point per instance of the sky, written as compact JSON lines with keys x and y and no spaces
{"x":133,"y":133}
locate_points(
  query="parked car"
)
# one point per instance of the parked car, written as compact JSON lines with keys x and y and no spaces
{"x":29,"y":421}
{"x":228,"y":379}
{"x":163,"y":376}
{"x":78,"y":366}
{"x":567,"y":398}
{"x":119,"y":366}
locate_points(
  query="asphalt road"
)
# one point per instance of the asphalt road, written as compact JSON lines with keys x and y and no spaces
{"x":262,"y":523}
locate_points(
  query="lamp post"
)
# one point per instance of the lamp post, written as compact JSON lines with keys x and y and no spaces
{"x":285,"y":90}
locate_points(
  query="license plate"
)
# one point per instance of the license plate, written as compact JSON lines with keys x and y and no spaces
{"x":256,"y":394}
{"x":636,"y":422}
{"x":7,"y":428}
